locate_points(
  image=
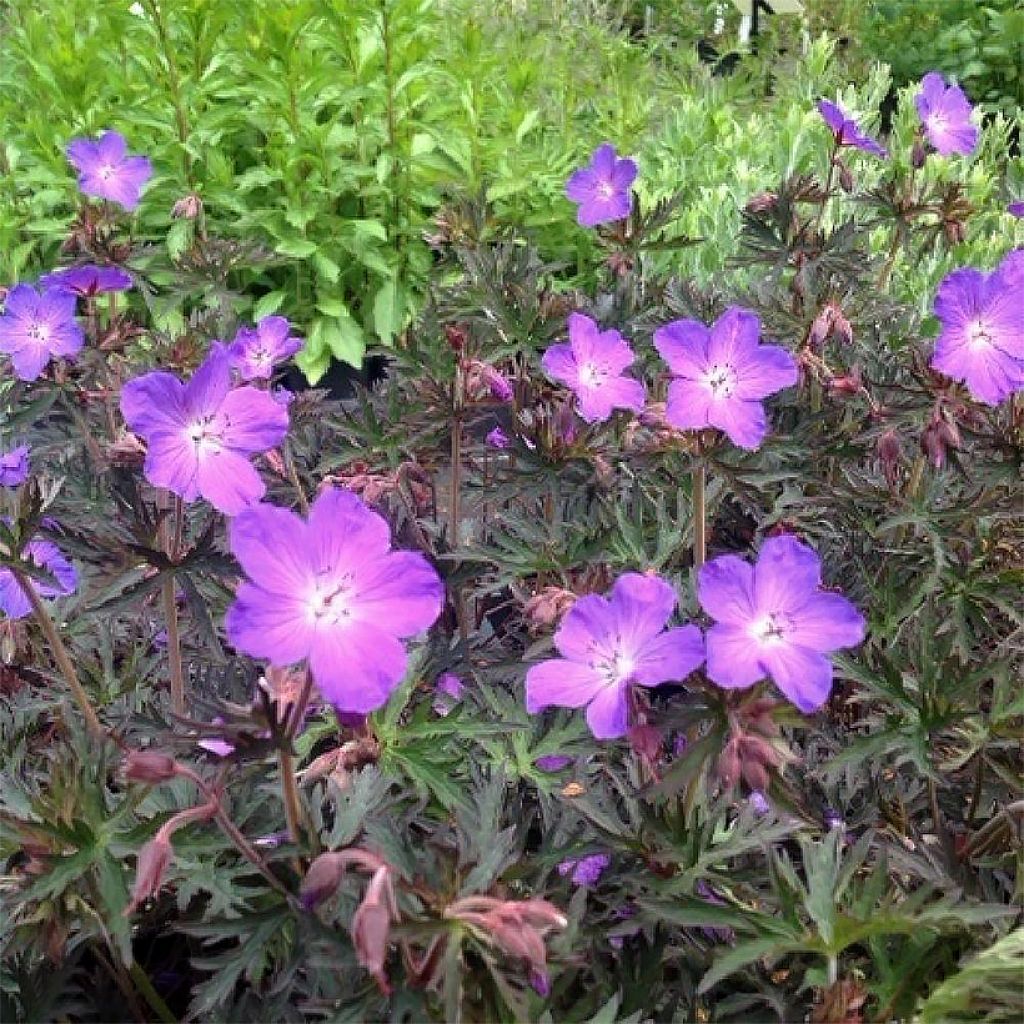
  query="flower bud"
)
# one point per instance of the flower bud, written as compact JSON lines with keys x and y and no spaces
{"x":845,"y":177}
{"x":728,"y":767}
{"x":497,"y":438}
{"x":153,"y":861}
{"x":821,"y":329}
{"x":645,"y":741}
{"x":918,"y":155}
{"x":890,"y":455}
{"x":937,"y":438}
{"x":149,"y":766}
{"x":761,"y":202}
{"x":954,"y":230}
{"x":371,"y":926}
{"x":322,"y":879}
{"x":187,"y":208}
{"x":455,"y":336}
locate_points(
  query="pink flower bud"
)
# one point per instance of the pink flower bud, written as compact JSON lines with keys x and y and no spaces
{"x":890,"y":455}
{"x":151,"y":865}
{"x":149,"y":766}
{"x":371,"y":926}
{"x":322,"y":879}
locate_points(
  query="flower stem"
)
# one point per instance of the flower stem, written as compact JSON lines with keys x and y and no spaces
{"x":833,"y":969}
{"x":290,"y":796}
{"x":60,"y":653}
{"x":293,"y":476}
{"x":170,"y":603}
{"x":700,"y":544}
{"x":150,"y":994}
{"x":455,"y":512}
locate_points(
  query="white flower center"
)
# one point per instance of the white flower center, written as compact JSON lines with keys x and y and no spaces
{"x":106,"y":172}
{"x":205,"y":434}
{"x":261,"y":356}
{"x":39,"y":332}
{"x":617,"y":667}
{"x":720,"y":380}
{"x":768,"y":629}
{"x":937,"y":123}
{"x":331,"y":601}
{"x":606,"y":190}
{"x":591,"y":376}
{"x":977,"y":336}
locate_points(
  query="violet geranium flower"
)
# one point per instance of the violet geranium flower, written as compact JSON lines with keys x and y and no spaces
{"x":722,"y":374}
{"x":1016,"y":209}
{"x":591,"y":364}
{"x":847,"y":132}
{"x":256,"y":351}
{"x":199,"y":436}
{"x":585,"y":871}
{"x":105,"y":169}
{"x":47,"y":556}
{"x":773,"y":619}
{"x":609,"y":644}
{"x":946,"y":116}
{"x":38,"y":326}
{"x":602,"y":188}
{"x":89,"y":280}
{"x":14,"y":466}
{"x":332,"y":591}
{"x":981,"y":341}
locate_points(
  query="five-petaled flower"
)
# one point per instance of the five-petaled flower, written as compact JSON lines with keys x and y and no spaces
{"x":721,"y":374}
{"x":847,"y":132}
{"x":773,"y":619}
{"x":88,"y":280}
{"x":106,"y":171}
{"x":38,"y":326}
{"x":591,"y":364}
{"x":46,"y":556}
{"x":946,"y":116}
{"x":256,"y":351}
{"x":14,"y":466}
{"x":602,"y":189}
{"x":608,"y":645}
{"x":982,"y":338}
{"x":332,"y":591}
{"x":200,"y":435}
{"x":1017,"y":208}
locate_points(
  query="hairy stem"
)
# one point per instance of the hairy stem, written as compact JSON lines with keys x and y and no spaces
{"x":290,"y":796}
{"x":700,"y":544}
{"x":293,"y":476}
{"x":60,"y":653}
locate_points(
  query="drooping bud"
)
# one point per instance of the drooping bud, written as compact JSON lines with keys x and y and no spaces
{"x":918,"y":155}
{"x":456,"y":336}
{"x":547,"y":606}
{"x":847,"y":384}
{"x":153,"y":861}
{"x":728,"y":767}
{"x":845,"y":177}
{"x":938,"y":437}
{"x":322,"y":879}
{"x":187,"y":208}
{"x":890,"y":455}
{"x":645,"y":740}
{"x":371,"y":926}
{"x":150,"y":766}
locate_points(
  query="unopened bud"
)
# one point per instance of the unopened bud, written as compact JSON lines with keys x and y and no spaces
{"x":150,"y":766}
{"x":371,"y":927}
{"x":322,"y":879}
{"x":845,"y":177}
{"x":455,"y":336}
{"x":761,"y":202}
{"x":918,"y":155}
{"x":728,"y":767}
{"x":645,"y":740}
{"x":890,"y":455}
{"x":153,"y":861}
{"x":954,"y":231}
{"x":188,"y":207}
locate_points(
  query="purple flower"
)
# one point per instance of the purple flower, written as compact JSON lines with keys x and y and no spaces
{"x":105,"y":169}
{"x":48,"y":557}
{"x":497,"y":438}
{"x":332,"y":591}
{"x":255,"y":352}
{"x":1017,"y":208}
{"x":200,"y":435}
{"x":773,"y":619}
{"x":602,"y":188}
{"x":609,"y":644}
{"x":585,"y":871}
{"x":553,"y":762}
{"x":38,"y":326}
{"x":591,"y":365}
{"x":847,"y":132}
{"x":758,"y":802}
{"x":833,"y":819}
{"x":88,"y":280}
{"x":981,"y":341}
{"x":14,"y":466}
{"x":217,"y":745}
{"x":497,"y":383}
{"x":946,"y":116}
{"x":722,"y":374}
{"x":448,"y":692}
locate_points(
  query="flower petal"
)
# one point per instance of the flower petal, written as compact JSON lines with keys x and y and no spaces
{"x":585,"y":628}
{"x":764,"y":371}
{"x":744,"y":423}
{"x":228,"y":481}
{"x":725,"y":589}
{"x":253,"y":420}
{"x":561,"y":683}
{"x":401,"y":590}
{"x":733,"y":658}
{"x":155,"y":401}
{"x":734,"y":336}
{"x":826,"y":623}
{"x":641,"y":606}
{"x":689,"y":405}
{"x":670,"y":657}
{"x":608,"y":713}
{"x":269,"y":625}
{"x":357,"y":667}
{"x":271,"y":544}
{"x":171,"y":463}
{"x":786,"y":574}
{"x":345,"y":533}
{"x":803,"y":675}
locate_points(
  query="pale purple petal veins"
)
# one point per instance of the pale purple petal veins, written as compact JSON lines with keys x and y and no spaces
{"x":580,"y":185}
{"x":585,"y":625}
{"x":803,"y":675}
{"x":172,"y":464}
{"x":764,"y":371}
{"x":991,"y":376}
{"x":733,"y":657}
{"x":559,"y":363}
{"x":670,"y":657}
{"x":608,"y":713}
{"x":734,"y":336}
{"x":832,"y":115}
{"x":269,"y":625}
{"x":344,"y":532}
{"x":13,"y":602}
{"x":641,"y":606}
{"x":725,"y":589}
{"x":400,"y":589}
{"x":272,"y":547}
{"x":827,"y":622}
{"x":561,"y":683}
{"x":253,"y":420}
{"x":111,"y":147}
{"x":744,"y":423}
{"x":210,"y":384}
{"x":683,"y":344}
{"x":154,"y":401}
{"x":688,"y":405}
{"x":786,"y":574}
{"x":960,"y":297}
{"x":356,"y":667}
{"x":228,"y":481}
{"x":624,"y":393}
{"x":29,"y":363}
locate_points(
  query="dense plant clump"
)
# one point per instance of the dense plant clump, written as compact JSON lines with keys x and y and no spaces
{"x":645,"y":645}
